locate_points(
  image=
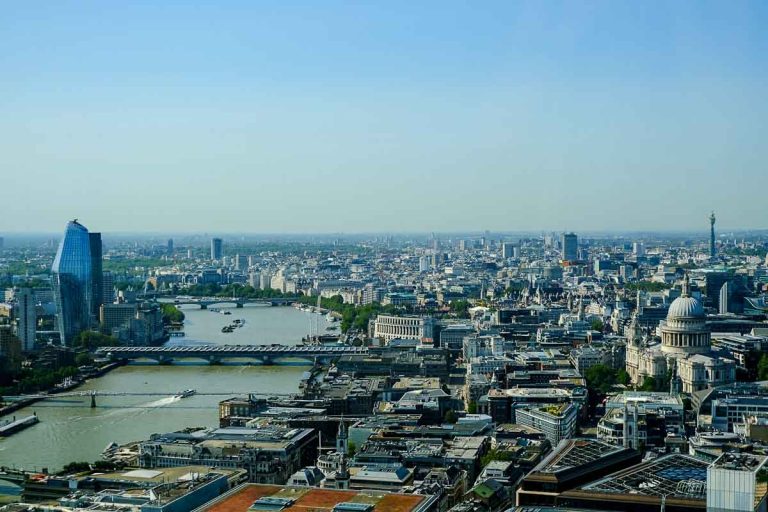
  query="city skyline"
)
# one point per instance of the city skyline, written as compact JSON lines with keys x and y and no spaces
{"x":339,"y":118}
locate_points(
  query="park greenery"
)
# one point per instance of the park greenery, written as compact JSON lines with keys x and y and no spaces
{"x":603,"y":378}
{"x":32,"y":380}
{"x":128,"y":265}
{"x":648,"y":286}
{"x":460,"y":308}
{"x":352,"y":317}
{"x":171,"y":314}
{"x":91,"y":340}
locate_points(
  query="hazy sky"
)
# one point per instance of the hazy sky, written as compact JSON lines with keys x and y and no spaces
{"x":382,"y":116}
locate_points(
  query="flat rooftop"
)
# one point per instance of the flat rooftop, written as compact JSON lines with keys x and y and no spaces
{"x":573,"y":453}
{"x":312,"y":499}
{"x":673,"y":475}
{"x":740,"y":462}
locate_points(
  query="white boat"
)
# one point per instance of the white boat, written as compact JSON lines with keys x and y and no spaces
{"x":186,"y":393}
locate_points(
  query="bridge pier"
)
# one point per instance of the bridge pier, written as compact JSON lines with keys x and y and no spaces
{"x":267,"y":361}
{"x":164,"y":360}
{"x":239,"y":305}
{"x":203,"y":306}
{"x":214,"y":360}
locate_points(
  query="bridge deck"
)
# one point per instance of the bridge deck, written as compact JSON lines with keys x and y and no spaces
{"x":236,"y":349}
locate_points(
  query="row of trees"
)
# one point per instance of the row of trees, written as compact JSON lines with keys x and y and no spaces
{"x":648,"y":286}
{"x":352,"y":317}
{"x":31,"y":381}
{"x":82,"y":467}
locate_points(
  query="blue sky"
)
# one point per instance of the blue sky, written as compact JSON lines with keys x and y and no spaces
{"x":382,"y":116}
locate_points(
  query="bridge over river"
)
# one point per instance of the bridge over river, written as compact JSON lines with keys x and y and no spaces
{"x":238,"y":302}
{"x":215,"y":354}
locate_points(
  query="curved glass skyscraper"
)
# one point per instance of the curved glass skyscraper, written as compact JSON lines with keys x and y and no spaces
{"x":72,"y":280}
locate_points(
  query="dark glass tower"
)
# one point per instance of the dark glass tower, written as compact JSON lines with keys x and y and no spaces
{"x":72,"y":281}
{"x":97,"y":275}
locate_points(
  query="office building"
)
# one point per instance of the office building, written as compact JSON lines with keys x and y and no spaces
{"x":673,"y":482}
{"x":556,"y":421}
{"x":72,"y":282}
{"x":10,"y":351}
{"x":636,"y":418}
{"x":508,"y":250}
{"x":107,"y":287}
{"x":114,"y":316}
{"x":97,"y":283}
{"x":712,"y":235}
{"x":26,"y":318}
{"x":390,"y":327}
{"x":217,"y":249}
{"x":241,"y":262}
{"x":270,"y":454}
{"x":452,"y":336}
{"x":573,"y":462}
{"x":570,"y":247}
{"x":732,"y":483}
{"x":169,"y":247}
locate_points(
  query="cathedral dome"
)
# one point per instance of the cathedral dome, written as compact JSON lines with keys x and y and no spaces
{"x":685,"y":307}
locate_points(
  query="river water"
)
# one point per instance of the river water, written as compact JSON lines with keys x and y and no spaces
{"x":69,"y":430}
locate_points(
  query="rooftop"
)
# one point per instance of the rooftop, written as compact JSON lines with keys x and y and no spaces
{"x":740,"y":462}
{"x":316,"y":500}
{"x":673,"y":475}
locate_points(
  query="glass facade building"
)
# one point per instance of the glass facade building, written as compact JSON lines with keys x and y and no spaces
{"x":72,"y":280}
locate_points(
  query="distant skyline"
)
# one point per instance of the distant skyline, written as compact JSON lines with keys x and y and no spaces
{"x":339,"y":117}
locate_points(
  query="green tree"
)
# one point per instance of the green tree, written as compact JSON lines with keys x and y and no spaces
{"x":472,"y":407}
{"x":91,"y":340}
{"x":601,"y":378}
{"x":83,"y":359}
{"x":460,"y":308}
{"x":496,"y":454}
{"x":648,"y":286}
{"x":622,"y":377}
{"x":649,"y":384}
{"x":76,"y":467}
{"x":451,"y":417}
{"x":762,"y":368}
{"x":171,"y":314}
{"x":597,"y":325}
{"x":351,"y":448}
{"x":104,"y":465}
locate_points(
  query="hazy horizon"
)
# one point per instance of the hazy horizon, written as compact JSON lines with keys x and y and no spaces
{"x":323,"y":118}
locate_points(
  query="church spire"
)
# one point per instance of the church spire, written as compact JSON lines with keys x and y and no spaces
{"x":686,"y":286}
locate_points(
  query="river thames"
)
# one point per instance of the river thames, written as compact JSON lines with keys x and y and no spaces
{"x":69,"y":430}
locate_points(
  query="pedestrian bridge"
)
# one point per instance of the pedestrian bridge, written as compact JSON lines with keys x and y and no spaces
{"x":215,"y":354}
